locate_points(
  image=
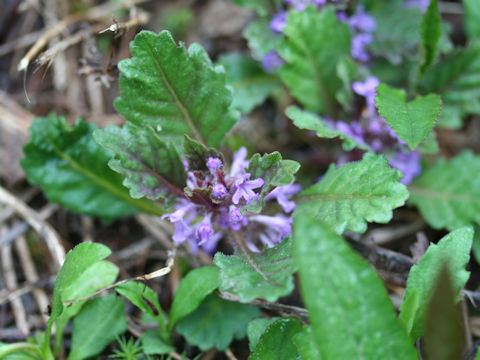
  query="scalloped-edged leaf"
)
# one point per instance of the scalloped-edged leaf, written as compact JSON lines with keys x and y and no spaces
{"x":456,"y":78}
{"x":239,"y":277}
{"x":315,"y":42}
{"x":448,"y":193}
{"x":350,"y":312}
{"x":178,"y":91}
{"x":192,"y":290}
{"x":412,"y":121}
{"x":348,"y":197}
{"x":454,"y":250}
{"x":430,"y":32}
{"x":310,"y":121}
{"x":72,"y":170}
{"x":251,"y":84}
{"x":276,"y":343}
{"x":216,"y":322}
{"x":151,"y":167}
{"x":97,"y":325}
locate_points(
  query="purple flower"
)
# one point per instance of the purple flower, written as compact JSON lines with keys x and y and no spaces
{"x":408,"y":163}
{"x":358,"y":47}
{"x":183,"y":207}
{"x":353,"y":130}
{"x":236,"y":219}
{"x":361,"y":21}
{"x":213,"y":164}
{"x":185,"y":164}
{"x":271,"y":61}
{"x":279,"y":21}
{"x":182,"y":232}
{"x":204,"y":231}
{"x":219,"y":191}
{"x":368,"y":88}
{"x":244,"y":188}
{"x":239,"y":164}
{"x":276,"y":227}
{"x":282,"y":194}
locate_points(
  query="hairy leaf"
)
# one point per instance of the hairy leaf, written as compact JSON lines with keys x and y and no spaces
{"x":251,"y":85}
{"x":197,"y":154}
{"x":276,"y":343}
{"x":453,"y":249}
{"x":151,"y":167}
{"x":348,"y":197}
{"x":96,"y":326}
{"x":444,"y":328}
{"x":271,"y":279}
{"x":310,"y":121}
{"x":456,"y":78}
{"x":216,"y":322}
{"x":178,"y":91}
{"x":72,"y":170}
{"x":315,"y":42}
{"x":412,"y":121}
{"x":192,"y":290}
{"x":448,"y":193}
{"x":430,"y":32}
{"x":350,"y":312}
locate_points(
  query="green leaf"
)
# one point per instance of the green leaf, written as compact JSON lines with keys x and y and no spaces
{"x":271,"y":279}
{"x":347,"y":71}
{"x":274,"y":171}
{"x":448,"y":193}
{"x":261,"y":39}
{"x":94,"y":278}
{"x":471,"y":18}
{"x":251,"y":85}
{"x":216,"y":322}
{"x":315,"y":42}
{"x":397,"y":34}
{"x":146,"y":300}
{"x":310,"y":121}
{"x":96,"y":326}
{"x":412,"y":121}
{"x":255,"y":330}
{"x":456,"y":78}
{"x":453,"y":249}
{"x":305,"y":343}
{"x":192,"y":290}
{"x":178,"y":91}
{"x":262,"y":7}
{"x":153,"y":344}
{"x":349,"y":196}
{"x":151,"y":167}
{"x":72,"y":170}
{"x":350,"y":312}
{"x":444,"y":328}
{"x":476,"y":243}
{"x":430,"y":32}
{"x":277,"y":341}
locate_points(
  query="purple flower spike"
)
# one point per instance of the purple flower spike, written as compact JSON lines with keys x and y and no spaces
{"x":358,"y":47}
{"x":282,"y":194}
{"x":271,"y":61}
{"x":244,"y":188}
{"x":214,"y":164}
{"x":205,"y":231}
{"x":278,"y":22}
{"x":219,"y":191}
{"x":239,"y":164}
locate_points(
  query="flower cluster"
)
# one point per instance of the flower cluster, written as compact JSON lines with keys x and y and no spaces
{"x":216,"y":203}
{"x":373,"y":130}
